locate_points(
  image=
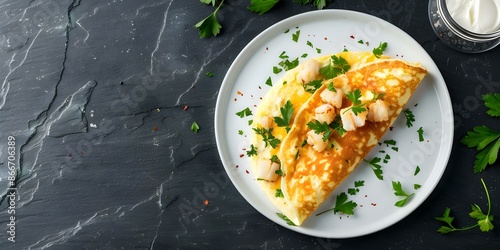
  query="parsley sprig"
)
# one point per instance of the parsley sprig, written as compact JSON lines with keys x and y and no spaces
{"x":379,"y":50}
{"x":261,"y":7}
{"x":410,"y":118}
{"x":267,"y":136}
{"x":342,"y":205}
{"x":312,"y":86}
{"x":286,"y":115}
{"x":484,"y":221}
{"x":337,"y":66}
{"x":209,"y":26}
{"x":398,"y":191}
{"x":484,"y":139}
{"x":376,"y":167}
{"x":357,"y":105}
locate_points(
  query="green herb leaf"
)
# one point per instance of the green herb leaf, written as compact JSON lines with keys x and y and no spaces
{"x":286,"y":116}
{"x":343,"y":205}
{"x":209,"y":26}
{"x":492,"y":101}
{"x":262,"y":6}
{"x":288,"y":221}
{"x":194,"y":127}
{"x":337,"y":66}
{"x":319,"y":128}
{"x":398,"y":191}
{"x":267,"y":137}
{"x":279,"y":193}
{"x":410,"y":118}
{"x":380,"y":50}
{"x":210,"y":74}
{"x":417,"y":170}
{"x":244,"y":112}
{"x":375,"y":166}
{"x":288,"y":65}
{"x":487,"y":141}
{"x":252,"y":151}
{"x":416,"y":186}
{"x":295,"y":36}
{"x":484,"y":221}
{"x":212,"y":2}
{"x":420,"y":134}
{"x":269,"y":82}
{"x":312,"y":86}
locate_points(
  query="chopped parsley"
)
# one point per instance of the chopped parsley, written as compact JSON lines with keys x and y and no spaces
{"x":286,"y":116}
{"x":244,"y":112}
{"x":252,"y":151}
{"x":295,"y":36}
{"x":376,"y":167}
{"x":194,"y":127}
{"x":269,"y":81}
{"x":417,"y":170}
{"x":267,"y":136}
{"x":357,"y":105}
{"x":312,"y":86}
{"x":410,"y":118}
{"x":337,"y":66}
{"x":288,"y":221}
{"x":420,"y":134}
{"x":355,"y":190}
{"x":342,"y":205}
{"x":319,"y":128}
{"x":279,"y":193}
{"x":380,"y":50}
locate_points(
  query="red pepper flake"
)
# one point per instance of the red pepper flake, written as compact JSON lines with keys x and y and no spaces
{"x":260,"y":87}
{"x":185,"y":107}
{"x":235,"y":99}
{"x":352,"y":37}
{"x":360,"y":205}
{"x":155,"y":128}
{"x":237,"y":166}
{"x":366,"y":195}
{"x":267,"y":48}
{"x":391,"y":128}
{"x":326,"y":38}
{"x":205,"y":202}
{"x":374,"y":204}
{"x":239,"y":93}
{"x":247,"y":171}
{"x":241,"y":155}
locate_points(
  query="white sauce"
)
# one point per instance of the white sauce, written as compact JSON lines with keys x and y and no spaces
{"x":479,"y":16}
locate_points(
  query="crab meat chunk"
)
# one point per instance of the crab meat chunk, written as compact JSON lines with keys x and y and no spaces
{"x":334,"y":98}
{"x":378,"y":111}
{"x":309,"y":71}
{"x":351,"y":121}
{"x":325,"y":113}
{"x":316,"y":141}
{"x":267,"y":170}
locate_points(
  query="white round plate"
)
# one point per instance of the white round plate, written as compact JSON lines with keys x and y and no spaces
{"x":327,"y":32}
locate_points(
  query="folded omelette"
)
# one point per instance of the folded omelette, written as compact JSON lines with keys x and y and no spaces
{"x":313,"y":128}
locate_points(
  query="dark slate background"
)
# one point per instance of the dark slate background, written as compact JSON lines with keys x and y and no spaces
{"x":95,"y":94}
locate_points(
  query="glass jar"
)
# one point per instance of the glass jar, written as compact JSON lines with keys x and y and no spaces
{"x":455,"y":36}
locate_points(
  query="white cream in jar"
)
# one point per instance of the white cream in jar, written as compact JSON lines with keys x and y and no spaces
{"x":478,"y":16}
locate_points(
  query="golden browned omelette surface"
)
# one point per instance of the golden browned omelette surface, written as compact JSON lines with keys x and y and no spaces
{"x":290,"y":88}
{"x":309,"y":174}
